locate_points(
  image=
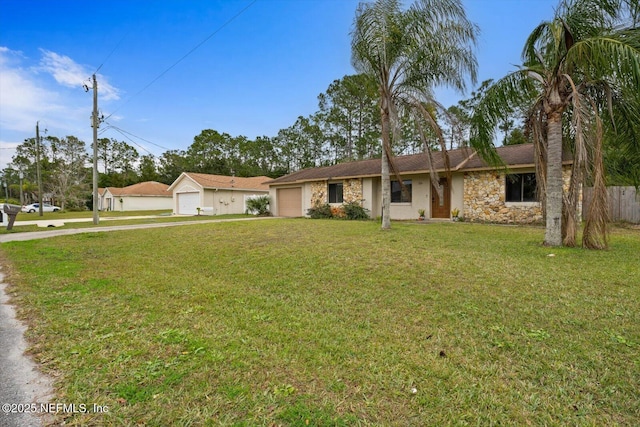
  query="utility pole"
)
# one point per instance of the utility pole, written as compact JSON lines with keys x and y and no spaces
{"x":38,"y":174}
{"x":21,"y":176}
{"x":95,"y":123}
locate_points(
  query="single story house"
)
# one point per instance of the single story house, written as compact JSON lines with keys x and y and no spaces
{"x":478,"y":191}
{"x":200,"y":193}
{"x":143,"y":196}
{"x":102,"y":204}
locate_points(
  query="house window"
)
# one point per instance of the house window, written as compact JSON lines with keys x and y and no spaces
{"x":335,"y":192}
{"x":521,"y":187}
{"x":397,"y":193}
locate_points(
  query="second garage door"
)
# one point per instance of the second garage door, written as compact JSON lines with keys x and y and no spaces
{"x":290,"y":202}
{"x":188,"y":203}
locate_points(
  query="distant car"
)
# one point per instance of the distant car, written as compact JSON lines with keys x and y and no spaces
{"x":34,"y":207}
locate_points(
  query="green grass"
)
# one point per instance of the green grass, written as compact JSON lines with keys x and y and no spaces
{"x":333,"y":323}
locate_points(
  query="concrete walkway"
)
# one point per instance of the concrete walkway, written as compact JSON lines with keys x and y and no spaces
{"x":113,"y":218}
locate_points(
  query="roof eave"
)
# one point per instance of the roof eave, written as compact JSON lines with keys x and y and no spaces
{"x":205,"y":187}
{"x":179,"y":178}
{"x":330,"y":178}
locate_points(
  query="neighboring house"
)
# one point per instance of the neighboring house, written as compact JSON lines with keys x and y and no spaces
{"x":102,"y":203}
{"x":207,"y":194}
{"x":149,"y":195}
{"x":478,"y":191}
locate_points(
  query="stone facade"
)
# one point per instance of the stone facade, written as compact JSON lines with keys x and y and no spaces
{"x":319,"y":194}
{"x":484,"y":199}
{"x":351,"y":191}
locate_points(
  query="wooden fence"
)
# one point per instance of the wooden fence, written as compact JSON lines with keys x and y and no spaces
{"x":624,"y":203}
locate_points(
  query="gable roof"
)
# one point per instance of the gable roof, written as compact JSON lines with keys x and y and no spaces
{"x":462,"y":159}
{"x":148,"y":188}
{"x":224,"y":182}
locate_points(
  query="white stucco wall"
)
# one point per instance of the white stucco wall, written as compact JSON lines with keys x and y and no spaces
{"x":142,"y":203}
{"x":457,"y":193}
{"x":213,"y":201}
{"x":419,"y":198}
{"x":226,"y":202}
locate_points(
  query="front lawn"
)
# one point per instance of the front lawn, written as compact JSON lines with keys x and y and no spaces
{"x":334,"y":323}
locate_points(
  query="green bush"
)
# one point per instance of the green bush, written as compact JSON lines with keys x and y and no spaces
{"x":353,"y":210}
{"x":320,"y":211}
{"x":259,"y":206}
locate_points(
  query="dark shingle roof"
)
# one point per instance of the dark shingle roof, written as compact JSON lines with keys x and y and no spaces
{"x":459,"y":160}
{"x":521,"y":155}
{"x":415,"y":163}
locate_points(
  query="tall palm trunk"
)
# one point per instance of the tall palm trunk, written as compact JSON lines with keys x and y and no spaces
{"x":386,"y":180}
{"x":553,"y":233}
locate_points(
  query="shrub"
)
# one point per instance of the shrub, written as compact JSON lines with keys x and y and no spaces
{"x":259,"y":206}
{"x":353,"y":210}
{"x":337,"y":212}
{"x":320,"y":211}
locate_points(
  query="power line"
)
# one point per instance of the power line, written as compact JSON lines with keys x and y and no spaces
{"x":111,"y":53}
{"x":135,"y":136}
{"x":126,"y":135}
{"x":135,"y":143}
{"x":230,"y":20}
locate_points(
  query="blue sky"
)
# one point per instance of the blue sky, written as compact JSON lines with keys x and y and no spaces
{"x":258,"y":64}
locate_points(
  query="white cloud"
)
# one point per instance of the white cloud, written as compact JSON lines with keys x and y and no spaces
{"x":27,"y":97}
{"x":71,"y":74}
{"x":7,"y":151}
{"x":22,"y":98}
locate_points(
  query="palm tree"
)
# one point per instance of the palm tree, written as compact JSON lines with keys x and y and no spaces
{"x":577,"y":70}
{"x":408,"y":52}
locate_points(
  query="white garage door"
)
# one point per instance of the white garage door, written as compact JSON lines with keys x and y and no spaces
{"x":290,"y":202}
{"x":188,"y":203}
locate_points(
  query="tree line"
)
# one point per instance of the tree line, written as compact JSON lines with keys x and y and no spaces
{"x":577,"y":89}
{"x":345,"y":127}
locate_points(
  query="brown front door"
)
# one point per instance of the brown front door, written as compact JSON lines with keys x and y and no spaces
{"x":441,"y":208}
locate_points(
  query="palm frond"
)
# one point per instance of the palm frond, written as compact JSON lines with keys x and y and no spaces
{"x":581,"y":116}
{"x":429,"y":117}
{"x":530,"y":52}
{"x":536,"y":126}
{"x":595,"y":228}
{"x":509,"y":90}
{"x":607,"y":57}
{"x":375,"y":36}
